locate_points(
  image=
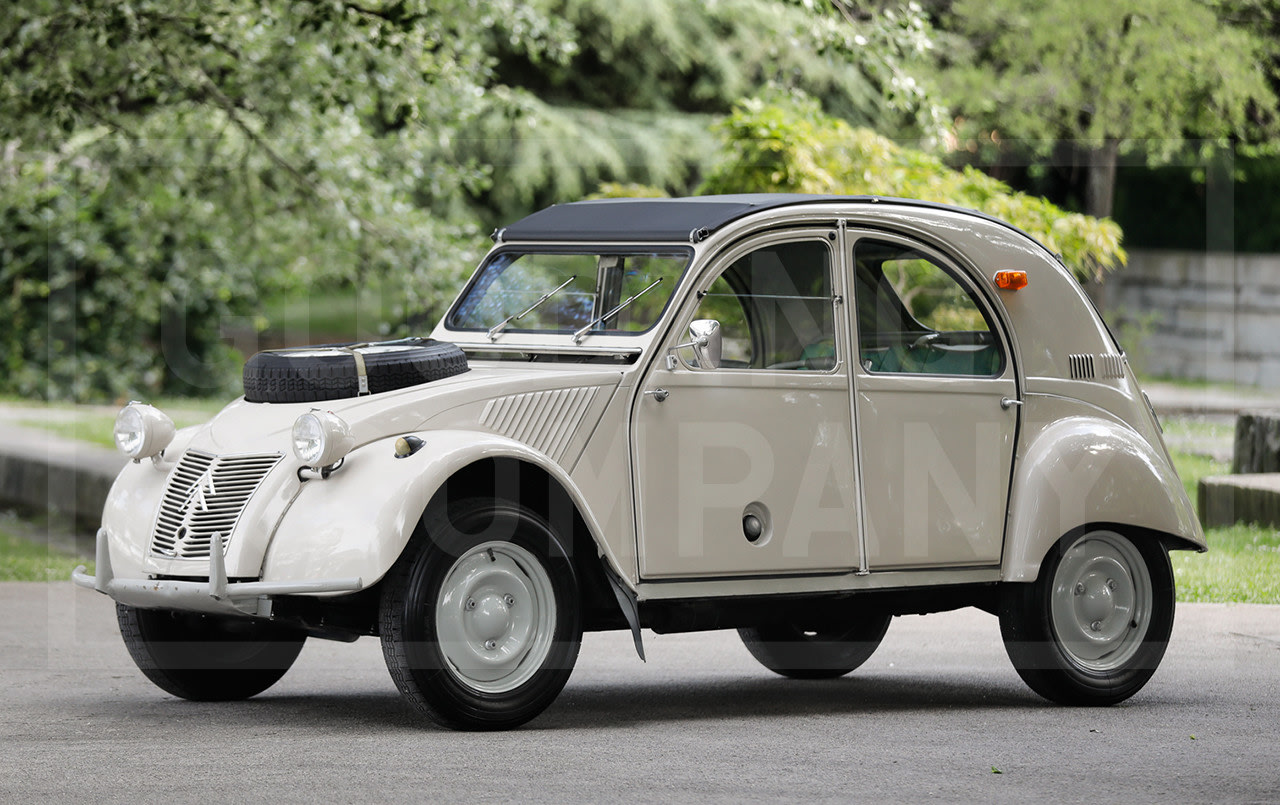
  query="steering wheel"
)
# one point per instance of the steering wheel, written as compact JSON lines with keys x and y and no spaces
{"x":925,"y":340}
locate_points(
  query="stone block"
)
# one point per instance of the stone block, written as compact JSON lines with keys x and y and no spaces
{"x":1229,"y":499}
{"x":1258,"y":271}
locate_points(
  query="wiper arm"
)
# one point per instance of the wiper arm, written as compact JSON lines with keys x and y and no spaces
{"x":579,"y":334}
{"x":502,"y":325}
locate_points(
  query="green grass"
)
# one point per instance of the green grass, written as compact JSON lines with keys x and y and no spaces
{"x":1191,"y":468}
{"x":1192,"y":428}
{"x":1242,"y":567}
{"x":1243,"y":563}
{"x":91,"y":424}
{"x":23,"y":559}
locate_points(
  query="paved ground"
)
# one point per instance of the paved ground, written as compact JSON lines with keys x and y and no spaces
{"x":929,"y":716}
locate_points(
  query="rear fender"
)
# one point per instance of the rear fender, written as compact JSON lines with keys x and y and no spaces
{"x":1083,"y":470}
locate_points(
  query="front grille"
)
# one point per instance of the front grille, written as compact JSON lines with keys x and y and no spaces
{"x":205,"y":496}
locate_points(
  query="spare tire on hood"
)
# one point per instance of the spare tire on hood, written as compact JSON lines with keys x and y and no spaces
{"x":338,"y":371}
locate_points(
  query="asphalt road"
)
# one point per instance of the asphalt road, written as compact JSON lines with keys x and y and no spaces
{"x":932,"y":715}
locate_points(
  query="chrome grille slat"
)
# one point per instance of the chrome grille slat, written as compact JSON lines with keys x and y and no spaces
{"x":206,"y":495}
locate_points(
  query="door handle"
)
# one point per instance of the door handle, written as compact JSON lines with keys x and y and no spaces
{"x":657,"y":394}
{"x":1008,"y":402}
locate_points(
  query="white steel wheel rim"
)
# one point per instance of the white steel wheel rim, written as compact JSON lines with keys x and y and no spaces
{"x":1101,"y":601}
{"x":495,"y":617}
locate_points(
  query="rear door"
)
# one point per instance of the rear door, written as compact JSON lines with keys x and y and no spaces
{"x":933,"y":384}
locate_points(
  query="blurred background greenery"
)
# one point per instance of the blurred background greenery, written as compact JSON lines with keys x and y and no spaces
{"x":181,"y":184}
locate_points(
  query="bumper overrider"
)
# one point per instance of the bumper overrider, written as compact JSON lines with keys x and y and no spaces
{"x":215,"y":595}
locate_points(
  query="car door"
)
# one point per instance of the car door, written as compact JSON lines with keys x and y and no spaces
{"x":935,"y":387}
{"x":748,"y":468}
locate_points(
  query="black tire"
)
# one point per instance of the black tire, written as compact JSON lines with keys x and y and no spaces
{"x":800,"y":653}
{"x":208,"y":658}
{"x":1093,"y":627}
{"x":313,"y":374}
{"x":479,"y":618}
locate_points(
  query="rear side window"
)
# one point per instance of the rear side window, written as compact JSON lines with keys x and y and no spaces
{"x":914,"y":317}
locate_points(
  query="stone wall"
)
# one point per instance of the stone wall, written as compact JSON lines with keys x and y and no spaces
{"x":1200,"y":316}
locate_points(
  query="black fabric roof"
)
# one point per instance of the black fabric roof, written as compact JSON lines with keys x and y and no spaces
{"x":687,"y":220}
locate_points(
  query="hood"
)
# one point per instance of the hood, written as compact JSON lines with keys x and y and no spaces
{"x":461,"y":401}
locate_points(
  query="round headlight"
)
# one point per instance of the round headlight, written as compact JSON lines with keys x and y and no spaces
{"x":321,"y":438}
{"x":142,"y":431}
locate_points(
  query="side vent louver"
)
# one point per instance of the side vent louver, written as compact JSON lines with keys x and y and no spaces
{"x":1081,"y":367}
{"x":1110,"y":366}
{"x":1089,"y":367}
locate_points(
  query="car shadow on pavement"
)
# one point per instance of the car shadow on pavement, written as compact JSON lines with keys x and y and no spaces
{"x":594,"y":705}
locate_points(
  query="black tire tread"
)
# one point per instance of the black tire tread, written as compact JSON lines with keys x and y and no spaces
{"x":427,"y":686}
{"x":286,"y":377}
{"x":193,"y":670}
{"x":1030,"y":642}
{"x":783,"y":649}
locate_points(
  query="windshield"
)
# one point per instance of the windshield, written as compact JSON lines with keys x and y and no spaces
{"x":576,"y":294}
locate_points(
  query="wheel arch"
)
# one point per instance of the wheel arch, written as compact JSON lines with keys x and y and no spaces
{"x":1084,"y":472}
{"x":518,"y":480}
{"x":323,"y":534}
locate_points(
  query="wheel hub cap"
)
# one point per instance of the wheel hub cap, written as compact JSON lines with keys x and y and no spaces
{"x":495,"y":615}
{"x":1101,"y":601}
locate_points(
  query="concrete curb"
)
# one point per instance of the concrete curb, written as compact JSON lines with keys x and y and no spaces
{"x":61,"y":477}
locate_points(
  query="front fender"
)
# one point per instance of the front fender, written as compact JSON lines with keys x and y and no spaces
{"x":356,"y":522}
{"x":1080,"y":467}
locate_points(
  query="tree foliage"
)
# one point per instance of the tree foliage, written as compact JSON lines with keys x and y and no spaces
{"x":793,"y":147}
{"x":165,"y":167}
{"x":1111,"y":78}
{"x":632,"y":95}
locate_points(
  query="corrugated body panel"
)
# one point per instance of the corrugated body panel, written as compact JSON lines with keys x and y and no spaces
{"x":544,"y":420}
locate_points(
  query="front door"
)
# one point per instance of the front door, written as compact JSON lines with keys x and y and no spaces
{"x":748,"y":468}
{"x":933,"y":385}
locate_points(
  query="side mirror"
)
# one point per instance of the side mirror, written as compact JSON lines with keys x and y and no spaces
{"x":704,"y":338}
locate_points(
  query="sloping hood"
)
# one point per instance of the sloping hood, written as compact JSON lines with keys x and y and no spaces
{"x":489,"y":396}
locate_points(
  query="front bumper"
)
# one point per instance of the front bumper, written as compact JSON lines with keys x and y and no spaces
{"x":215,"y":596}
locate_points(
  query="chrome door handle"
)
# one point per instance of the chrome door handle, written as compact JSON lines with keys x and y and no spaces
{"x":1008,"y":402}
{"x":657,"y":394}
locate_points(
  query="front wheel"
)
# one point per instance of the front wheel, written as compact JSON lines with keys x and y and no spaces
{"x":480,"y":623}
{"x":1092,"y":629}
{"x":208,"y":658}
{"x":798,"y":652}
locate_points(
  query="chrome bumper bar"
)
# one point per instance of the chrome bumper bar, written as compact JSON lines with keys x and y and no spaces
{"x":217,"y":595}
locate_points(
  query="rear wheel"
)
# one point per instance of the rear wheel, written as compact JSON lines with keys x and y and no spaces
{"x":480,"y":624}
{"x":798,"y":652}
{"x":1092,"y":629}
{"x":208,"y":658}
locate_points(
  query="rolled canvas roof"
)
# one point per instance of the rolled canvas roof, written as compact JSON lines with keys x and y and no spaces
{"x":686,"y":220}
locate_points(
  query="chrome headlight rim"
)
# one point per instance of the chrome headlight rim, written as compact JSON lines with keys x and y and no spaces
{"x":321,"y":439}
{"x":142,"y":431}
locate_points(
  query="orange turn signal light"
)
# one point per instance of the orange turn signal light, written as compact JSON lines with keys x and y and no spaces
{"x":1011,"y":280}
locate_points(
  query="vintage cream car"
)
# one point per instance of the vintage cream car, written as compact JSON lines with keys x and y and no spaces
{"x":794,"y":416}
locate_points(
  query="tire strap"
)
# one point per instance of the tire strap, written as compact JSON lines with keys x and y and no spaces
{"x":362,"y":375}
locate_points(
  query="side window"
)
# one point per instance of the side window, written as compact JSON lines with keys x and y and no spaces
{"x":774,"y":306}
{"x":914,"y":317}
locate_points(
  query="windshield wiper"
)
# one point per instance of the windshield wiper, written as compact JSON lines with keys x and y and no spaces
{"x":502,"y":325}
{"x":580,"y":334}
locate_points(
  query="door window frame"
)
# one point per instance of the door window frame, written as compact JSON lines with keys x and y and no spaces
{"x":827,"y":235}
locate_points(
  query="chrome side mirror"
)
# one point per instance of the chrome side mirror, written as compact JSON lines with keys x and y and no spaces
{"x":704,"y":338}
